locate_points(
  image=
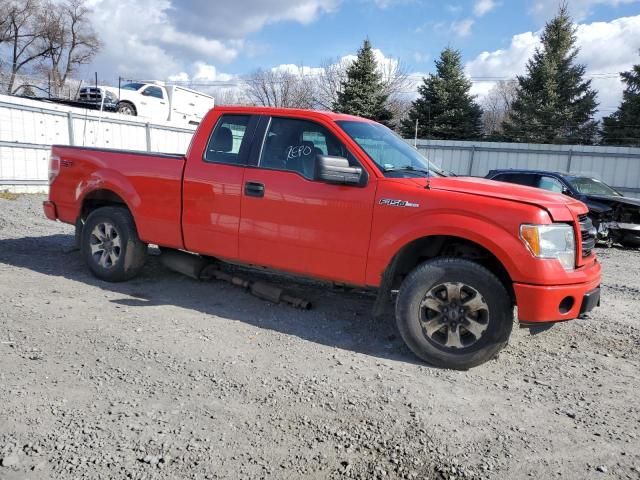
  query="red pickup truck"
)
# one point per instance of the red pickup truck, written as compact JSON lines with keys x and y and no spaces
{"x":340,"y":198}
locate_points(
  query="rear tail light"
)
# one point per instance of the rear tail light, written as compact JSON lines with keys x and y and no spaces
{"x":54,"y":167}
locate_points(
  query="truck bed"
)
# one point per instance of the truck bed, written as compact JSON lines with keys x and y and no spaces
{"x":150,"y":184}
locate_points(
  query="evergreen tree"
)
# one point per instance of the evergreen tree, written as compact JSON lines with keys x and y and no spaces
{"x":362,"y":93}
{"x":445,"y":109}
{"x":623,"y":127}
{"x":554,"y":104}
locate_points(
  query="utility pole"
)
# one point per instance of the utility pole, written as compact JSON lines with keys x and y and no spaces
{"x":415,"y":140}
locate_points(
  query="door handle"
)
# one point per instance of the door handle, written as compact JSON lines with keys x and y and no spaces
{"x":254,"y":189}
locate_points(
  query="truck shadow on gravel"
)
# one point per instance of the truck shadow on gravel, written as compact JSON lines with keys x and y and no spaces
{"x":338,"y":319}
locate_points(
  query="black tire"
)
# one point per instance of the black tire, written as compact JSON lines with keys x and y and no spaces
{"x":124,"y":257}
{"x":127,"y":108}
{"x":77,"y":239}
{"x":608,"y":242}
{"x":630,"y":242}
{"x":494,"y":313}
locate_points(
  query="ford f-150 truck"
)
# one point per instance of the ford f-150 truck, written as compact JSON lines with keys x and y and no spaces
{"x":340,"y":198}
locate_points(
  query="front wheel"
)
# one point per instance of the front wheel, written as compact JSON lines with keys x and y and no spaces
{"x":110,"y":245}
{"x":454,"y":313}
{"x":126,"y":108}
{"x":630,"y":241}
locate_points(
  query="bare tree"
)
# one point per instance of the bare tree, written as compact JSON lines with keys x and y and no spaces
{"x":280,"y":88}
{"x":5,"y":21}
{"x":68,"y":39}
{"x":24,"y":33}
{"x":4,"y":35}
{"x":399,"y":105}
{"x":497,"y":105}
{"x":230,"y":96}
{"x":328,"y":82}
{"x":397,"y":88}
{"x":394,"y":76}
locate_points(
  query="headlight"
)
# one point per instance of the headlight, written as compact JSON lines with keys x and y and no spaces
{"x":551,"y":241}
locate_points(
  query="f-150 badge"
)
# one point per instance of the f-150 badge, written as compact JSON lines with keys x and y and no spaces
{"x":389,"y":202}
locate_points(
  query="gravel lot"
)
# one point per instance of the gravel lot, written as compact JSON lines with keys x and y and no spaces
{"x":166,"y":377}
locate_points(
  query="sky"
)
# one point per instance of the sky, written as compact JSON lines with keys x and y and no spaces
{"x":222,"y":40}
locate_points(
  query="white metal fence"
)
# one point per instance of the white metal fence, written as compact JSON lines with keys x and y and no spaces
{"x":28,"y":128}
{"x":616,"y":166}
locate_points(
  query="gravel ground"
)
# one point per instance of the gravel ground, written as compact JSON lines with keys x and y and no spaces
{"x":166,"y":377}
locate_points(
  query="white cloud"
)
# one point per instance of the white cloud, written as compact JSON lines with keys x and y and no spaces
{"x":157,"y":38}
{"x":297,"y":69}
{"x":463,"y":28}
{"x":233,"y":19}
{"x":482,"y":7}
{"x":605,"y":48}
{"x":385,"y":64}
{"x":580,"y":9}
{"x":216,"y":49}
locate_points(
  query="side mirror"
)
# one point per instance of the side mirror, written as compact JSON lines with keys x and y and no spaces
{"x":336,"y":170}
{"x":146,"y":93}
{"x":567,"y":192}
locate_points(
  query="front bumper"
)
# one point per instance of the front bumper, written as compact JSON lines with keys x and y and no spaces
{"x":557,"y":303}
{"x":617,"y":230}
{"x":50,"y":210}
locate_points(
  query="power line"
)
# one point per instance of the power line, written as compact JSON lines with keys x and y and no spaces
{"x":475,"y":79}
{"x":592,"y":76}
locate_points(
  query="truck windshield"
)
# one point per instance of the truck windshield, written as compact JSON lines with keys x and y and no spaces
{"x":393,"y":156}
{"x":133,"y":86}
{"x":591,"y":186}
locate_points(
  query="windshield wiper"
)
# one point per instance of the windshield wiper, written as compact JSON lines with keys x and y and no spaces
{"x":410,"y":168}
{"x":407,"y":168}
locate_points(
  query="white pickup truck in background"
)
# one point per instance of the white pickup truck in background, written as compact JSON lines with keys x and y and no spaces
{"x":154,"y":100}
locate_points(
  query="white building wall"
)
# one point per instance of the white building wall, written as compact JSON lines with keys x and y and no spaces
{"x":616,"y":166}
{"x":28,"y":128}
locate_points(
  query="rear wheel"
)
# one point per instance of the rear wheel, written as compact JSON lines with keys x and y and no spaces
{"x":110,"y":245}
{"x":454,"y":313}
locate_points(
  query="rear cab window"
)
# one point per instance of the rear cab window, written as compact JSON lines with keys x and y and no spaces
{"x":230,"y":139}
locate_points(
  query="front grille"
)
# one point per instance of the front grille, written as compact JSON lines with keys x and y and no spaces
{"x":90,"y":95}
{"x":587,"y":235}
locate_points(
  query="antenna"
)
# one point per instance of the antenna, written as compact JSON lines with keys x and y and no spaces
{"x":428,"y":185}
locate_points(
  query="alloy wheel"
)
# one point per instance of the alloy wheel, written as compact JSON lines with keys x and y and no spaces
{"x":454,"y":315}
{"x":106,"y":246}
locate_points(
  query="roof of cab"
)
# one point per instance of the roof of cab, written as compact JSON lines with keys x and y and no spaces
{"x":289,"y":112}
{"x":524,"y":170}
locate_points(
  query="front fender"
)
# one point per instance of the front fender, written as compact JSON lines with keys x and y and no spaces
{"x":504,"y":245}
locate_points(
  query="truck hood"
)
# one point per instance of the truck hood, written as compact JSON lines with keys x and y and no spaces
{"x":560,"y":207}
{"x":123,"y":94}
{"x":610,"y":199}
{"x":113,"y":90}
